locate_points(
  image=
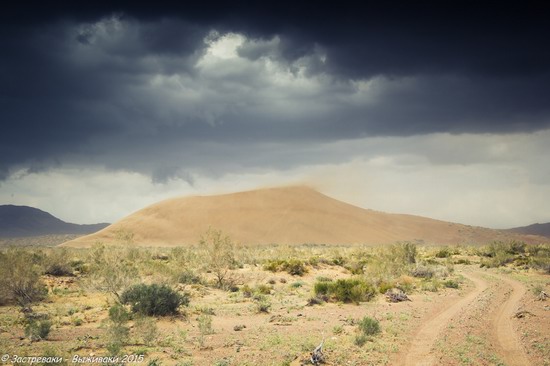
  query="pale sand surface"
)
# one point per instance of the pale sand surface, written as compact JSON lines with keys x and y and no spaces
{"x":287,"y":215}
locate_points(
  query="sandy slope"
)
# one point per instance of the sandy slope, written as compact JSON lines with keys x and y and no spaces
{"x":288,"y":215}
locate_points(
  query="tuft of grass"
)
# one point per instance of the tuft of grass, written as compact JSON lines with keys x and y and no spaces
{"x":263,"y":305}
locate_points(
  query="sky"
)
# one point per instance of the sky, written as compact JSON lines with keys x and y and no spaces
{"x":439,"y":109}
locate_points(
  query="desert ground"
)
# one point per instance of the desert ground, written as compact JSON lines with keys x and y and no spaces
{"x":274,"y":304}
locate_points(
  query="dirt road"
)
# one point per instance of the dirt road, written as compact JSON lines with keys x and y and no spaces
{"x":507,"y":345}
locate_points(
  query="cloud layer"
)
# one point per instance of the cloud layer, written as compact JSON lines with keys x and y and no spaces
{"x":195,"y":95}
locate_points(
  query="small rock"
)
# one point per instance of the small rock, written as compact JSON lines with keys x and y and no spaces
{"x":239,"y":327}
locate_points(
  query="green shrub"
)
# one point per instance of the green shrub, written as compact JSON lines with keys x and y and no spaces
{"x":431,"y":285}
{"x":263,"y":289}
{"x":189,"y":278}
{"x":323,"y":279}
{"x":153,"y":299}
{"x":37,"y":327}
{"x":345,"y":290}
{"x":262,"y":304}
{"x":463,"y":261}
{"x":384,"y":286}
{"x":20,"y":278}
{"x":57,"y":263}
{"x":451,"y":284}
{"x":118,"y":330}
{"x":205,"y":324}
{"x":292,"y":266}
{"x":338,"y":261}
{"x":443,"y":253}
{"x":322,"y":288}
{"x":247,"y":291}
{"x":369,"y":326}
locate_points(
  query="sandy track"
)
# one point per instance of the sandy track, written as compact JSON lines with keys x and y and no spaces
{"x":508,"y":343}
{"x":420,"y":351}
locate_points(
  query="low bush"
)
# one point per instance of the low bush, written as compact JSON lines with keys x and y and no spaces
{"x":367,"y":328}
{"x":37,"y":326}
{"x":451,"y":284}
{"x":117,"y":331}
{"x":385,"y":286}
{"x":188,"y":277}
{"x":292,"y":266}
{"x":57,"y":264}
{"x":431,"y":285}
{"x":262,"y":304}
{"x":462,"y":261}
{"x":422,"y":271}
{"x":153,"y":299}
{"x":20,"y":278}
{"x":443,"y":253}
{"x":345,"y":290}
{"x":147,"y":329}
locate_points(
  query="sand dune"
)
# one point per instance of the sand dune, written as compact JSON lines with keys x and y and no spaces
{"x":288,"y":215}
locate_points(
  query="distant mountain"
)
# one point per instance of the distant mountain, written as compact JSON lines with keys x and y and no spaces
{"x":21,"y":221}
{"x":535,"y":229}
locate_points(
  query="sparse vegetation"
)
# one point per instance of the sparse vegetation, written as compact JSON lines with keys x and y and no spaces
{"x":142,"y":281}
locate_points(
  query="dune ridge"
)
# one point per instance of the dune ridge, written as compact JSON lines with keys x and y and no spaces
{"x":283,"y":215}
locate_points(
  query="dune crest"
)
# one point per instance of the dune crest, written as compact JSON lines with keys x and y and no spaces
{"x":284,"y":215}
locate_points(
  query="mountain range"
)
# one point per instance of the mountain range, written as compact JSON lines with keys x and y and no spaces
{"x":24,"y":221}
{"x":534,"y":229}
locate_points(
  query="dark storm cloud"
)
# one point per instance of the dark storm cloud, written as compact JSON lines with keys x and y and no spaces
{"x":121,"y":85}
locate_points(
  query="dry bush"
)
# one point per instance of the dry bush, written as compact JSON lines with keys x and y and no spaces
{"x":20,"y":278}
{"x":57,"y":263}
{"x":219,"y":256}
{"x":111,"y":270}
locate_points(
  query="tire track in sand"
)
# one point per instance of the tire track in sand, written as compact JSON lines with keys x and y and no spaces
{"x":508,"y":343}
{"x":420,"y":350}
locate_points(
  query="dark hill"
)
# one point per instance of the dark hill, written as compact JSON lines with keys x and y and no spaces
{"x":21,"y":221}
{"x":535,"y":229}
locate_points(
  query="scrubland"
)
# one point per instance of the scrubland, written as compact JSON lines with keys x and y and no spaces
{"x":219,"y":303}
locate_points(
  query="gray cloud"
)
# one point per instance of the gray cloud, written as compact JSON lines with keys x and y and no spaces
{"x":145,"y":90}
